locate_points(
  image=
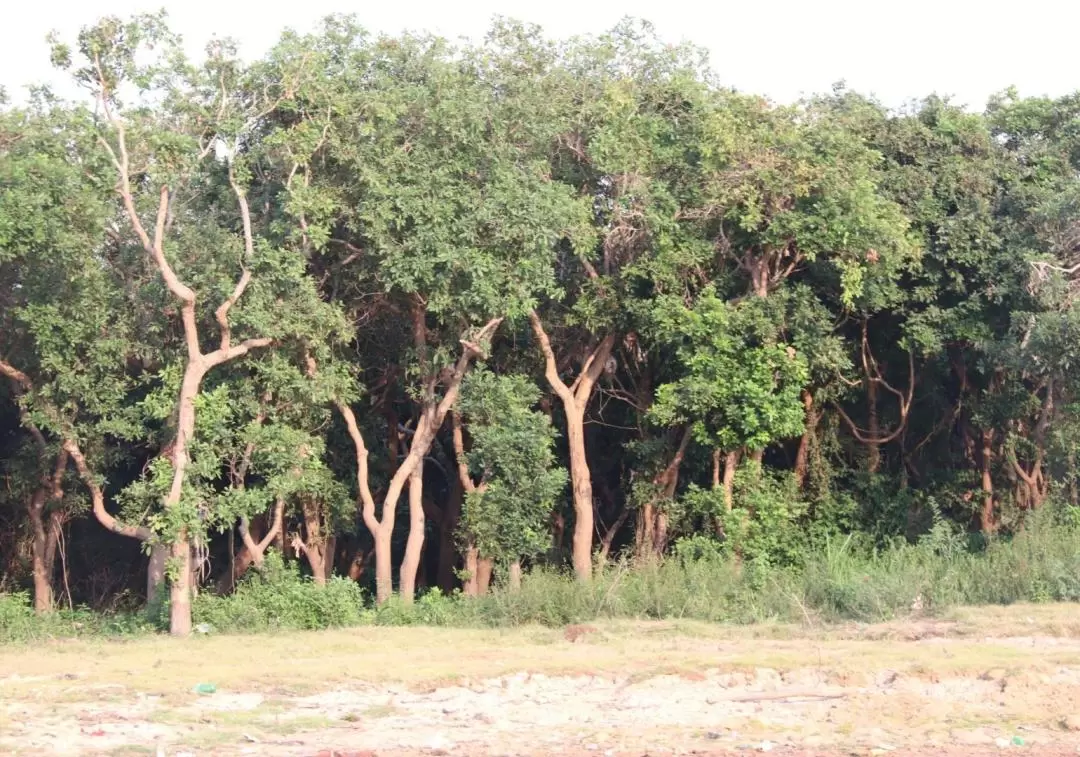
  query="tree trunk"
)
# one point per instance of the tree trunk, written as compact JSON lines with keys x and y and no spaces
{"x":660,"y":538}
{"x":645,"y":532}
{"x":431,"y":419}
{"x":448,"y":553}
{"x":180,"y":586}
{"x":43,"y":590}
{"x":472,"y":570}
{"x":581,"y":479}
{"x":987,"y":514}
{"x":802,"y":457}
{"x":609,"y":536}
{"x":155,"y":571}
{"x":319,"y":547}
{"x":245,"y":558}
{"x":515,"y":577}
{"x":384,"y":568}
{"x":873,"y":428}
{"x":484,"y":569}
{"x":731,"y":465}
{"x":415,"y":545}
{"x":575,"y":400}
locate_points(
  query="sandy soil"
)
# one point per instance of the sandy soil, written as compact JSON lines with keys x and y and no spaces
{"x":913,"y":689}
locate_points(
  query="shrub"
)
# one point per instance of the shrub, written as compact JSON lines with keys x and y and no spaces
{"x":276,"y":596}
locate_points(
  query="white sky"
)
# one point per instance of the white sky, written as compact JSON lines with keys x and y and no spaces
{"x":896,"y":49}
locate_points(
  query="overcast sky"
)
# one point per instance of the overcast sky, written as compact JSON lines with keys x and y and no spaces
{"x":896,"y":49}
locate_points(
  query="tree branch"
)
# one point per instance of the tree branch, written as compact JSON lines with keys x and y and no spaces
{"x":97,"y":497}
{"x":551,"y":370}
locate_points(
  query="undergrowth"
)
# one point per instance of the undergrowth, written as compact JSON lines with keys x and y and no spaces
{"x":843,"y":580}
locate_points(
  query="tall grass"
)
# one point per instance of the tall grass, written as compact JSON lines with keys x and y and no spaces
{"x":840,"y":581}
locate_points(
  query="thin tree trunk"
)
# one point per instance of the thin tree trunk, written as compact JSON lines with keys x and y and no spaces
{"x":717,"y":455}
{"x":609,"y":536}
{"x":987,"y":514}
{"x":431,"y":419}
{"x":802,"y":457}
{"x":873,"y":428}
{"x":644,"y":534}
{"x":731,"y":465}
{"x":415,"y":545}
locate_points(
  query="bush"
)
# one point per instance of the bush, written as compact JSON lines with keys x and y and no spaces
{"x":19,"y":622}
{"x":275,"y":596}
{"x":846,"y":578}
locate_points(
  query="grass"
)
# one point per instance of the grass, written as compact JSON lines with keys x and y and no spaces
{"x":838,"y":582}
{"x":420,"y":657}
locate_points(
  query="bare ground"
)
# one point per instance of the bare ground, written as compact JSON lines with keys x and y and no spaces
{"x":975,"y":683}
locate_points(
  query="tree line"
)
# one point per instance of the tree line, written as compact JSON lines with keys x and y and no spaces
{"x":549,"y":301}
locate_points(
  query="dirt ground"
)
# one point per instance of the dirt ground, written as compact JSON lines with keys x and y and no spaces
{"x":975,"y":683}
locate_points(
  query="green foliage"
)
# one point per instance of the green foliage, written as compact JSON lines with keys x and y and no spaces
{"x":881,"y":306}
{"x":742,"y":384}
{"x":512,"y":458}
{"x":277,"y":597}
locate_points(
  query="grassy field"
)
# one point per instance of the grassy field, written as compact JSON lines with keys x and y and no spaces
{"x":284,"y":693}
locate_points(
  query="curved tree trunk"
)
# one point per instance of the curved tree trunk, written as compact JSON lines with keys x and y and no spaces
{"x":581,"y":483}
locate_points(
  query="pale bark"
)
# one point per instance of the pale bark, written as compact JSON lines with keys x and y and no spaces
{"x":484,"y":568}
{"x":256,"y":550}
{"x":731,"y":465}
{"x":515,"y":577}
{"x":652,"y":533}
{"x":986,"y":516}
{"x":415,"y":544}
{"x":472,"y":571}
{"x":575,"y":399}
{"x":431,"y":419}
{"x":198,"y":363}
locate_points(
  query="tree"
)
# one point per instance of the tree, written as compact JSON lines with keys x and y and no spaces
{"x":508,"y":473}
{"x":66,"y":337}
{"x":188,"y":149}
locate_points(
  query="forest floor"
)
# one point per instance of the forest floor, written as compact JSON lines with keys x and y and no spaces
{"x":974,"y":682}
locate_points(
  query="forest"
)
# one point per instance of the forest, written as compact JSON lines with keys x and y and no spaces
{"x":430,"y":316}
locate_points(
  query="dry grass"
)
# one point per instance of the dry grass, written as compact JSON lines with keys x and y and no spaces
{"x":83,"y":680}
{"x":298,"y":663}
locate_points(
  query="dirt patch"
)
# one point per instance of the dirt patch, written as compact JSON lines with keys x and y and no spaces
{"x":646,"y":689}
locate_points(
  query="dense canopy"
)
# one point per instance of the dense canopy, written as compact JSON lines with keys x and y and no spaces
{"x":553,"y":302}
